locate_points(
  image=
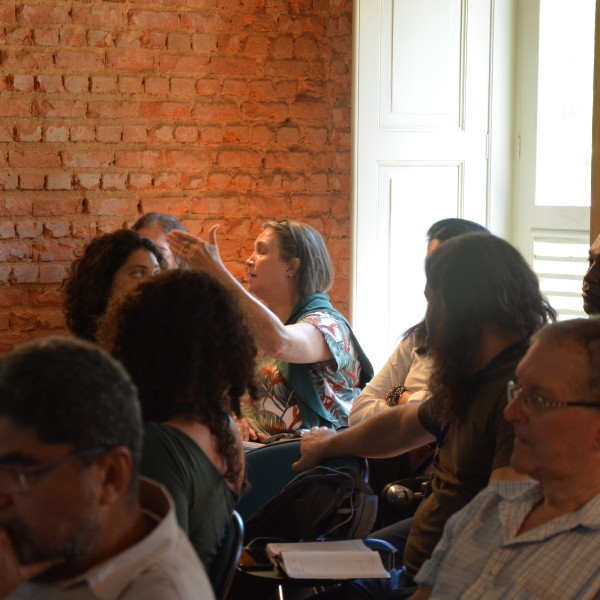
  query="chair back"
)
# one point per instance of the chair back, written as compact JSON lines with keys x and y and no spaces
{"x":269,"y":470}
{"x":228,"y":557}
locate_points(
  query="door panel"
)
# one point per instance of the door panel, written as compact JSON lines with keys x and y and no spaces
{"x":421,"y":125}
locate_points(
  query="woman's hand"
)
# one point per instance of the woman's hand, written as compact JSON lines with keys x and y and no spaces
{"x":12,"y":572}
{"x":199,"y":254}
{"x":247,"y":433}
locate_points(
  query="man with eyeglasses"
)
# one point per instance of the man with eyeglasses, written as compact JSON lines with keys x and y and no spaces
{"x":75,"y":523}
{"x":537,"y":539}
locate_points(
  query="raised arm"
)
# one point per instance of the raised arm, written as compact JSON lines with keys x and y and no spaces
{"x":386,"y":434}
{"x":297,"y":343}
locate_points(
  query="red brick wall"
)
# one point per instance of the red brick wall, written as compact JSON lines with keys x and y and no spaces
{"x":229,"y":111}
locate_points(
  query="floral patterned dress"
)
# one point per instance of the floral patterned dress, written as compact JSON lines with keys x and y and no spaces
{"x":336,"y":381}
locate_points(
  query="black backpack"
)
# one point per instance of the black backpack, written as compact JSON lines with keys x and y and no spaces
{"x":319,"y":503}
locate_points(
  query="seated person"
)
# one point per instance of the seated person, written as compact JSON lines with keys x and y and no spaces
{"x":591,"y":281}
{"x":484,"y":303}
{"x":112,"y":263}
{"x":155,"y":226}
{"x":184,"y":342}
{"x":404,"y":376}
{"x":74,"y":521}
{"x":312,"y":366}
{"x":538,"y":539}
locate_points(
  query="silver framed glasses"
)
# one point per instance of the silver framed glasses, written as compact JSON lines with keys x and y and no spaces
{"x":16,"y":477}
{"x":514,"y":390}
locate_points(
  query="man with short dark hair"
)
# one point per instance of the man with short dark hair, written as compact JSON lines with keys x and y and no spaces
{"x":155,"y":226}
{"x":591,"y":281}
{"x":538,"y":539}
{"x":74,"y":524}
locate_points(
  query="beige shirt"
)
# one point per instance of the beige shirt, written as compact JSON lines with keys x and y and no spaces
{"x":162,"y":566}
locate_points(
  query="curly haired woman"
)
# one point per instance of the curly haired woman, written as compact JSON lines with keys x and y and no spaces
{"x":112,"y":263}
{"x":182,"y":339}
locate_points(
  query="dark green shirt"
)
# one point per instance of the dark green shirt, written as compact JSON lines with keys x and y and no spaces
{"x":203,"y":502}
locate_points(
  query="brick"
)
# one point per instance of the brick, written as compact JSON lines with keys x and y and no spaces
{"x":53,"y":250}
{"x":173,"y":206}
{"x":14,"y":250}
{"x":234,"y":87}
{"x":204,"y":42}
{"x":265,"y":111}
{"x":26,"y":273}
{"x":239,"y":158}
{"x":183,"y":86}
{"x":109,"y":134}
{"x":100,"y":39}
{"x":145,"y":19}
{"x":6,"y":133}
{"x":135,"y":133}
{"x":114,"y":181}
{"x":87,"y":181}
{"x":216,"y":113}
{"x":73,"y":37}
{"x":131,"y":85}
{"x":219,"y":181}
{"x":129,"y":60}
{"x":52,"y":273}
{"x":44,"y":15}
{"x":186,"y":134}
{"x":29,"y":229}
{"x":57,"y":229}
{"x":158,"y":86}
{"x":98,"y":158}
{"x":23,"y":82}
{"x":142,"y":159}
{"x":208,"y":87}
{"x":103,"y":84}
{"x":262,"y":135}
{"x":111,"y":110}
{"x":58,"y":109}
{"x":31,"y":181}
{"x":4,"y":321}
{"x":139,"y":181}
{"x":282,"y":47}
{"x":162,"y":134}
{"x":187,"y":160}
{"x":7,"y":230}
{"x":46,"y":37}
{"x":112,"y":206}
{"x":28,"y":133}
{"x":76,"y":84}
{"x":11,"y":107}
{"x":9,"y":180}
{"x":79,"y":59}
{"x":49,"y":205}
{"x":56,"y":133}
{"x":198,"y":65}
{"x":178,"y":41}
{"x":15,"y":206}
{"x":167,"y":181}
{"x":98,"y":16}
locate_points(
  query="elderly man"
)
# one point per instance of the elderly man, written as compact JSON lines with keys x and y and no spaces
{"x":591,"y":281}
{"x":74,"y":524}
{"x":537,"y":539}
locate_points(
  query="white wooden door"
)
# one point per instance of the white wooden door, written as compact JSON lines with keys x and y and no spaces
{"x":421,"y":148}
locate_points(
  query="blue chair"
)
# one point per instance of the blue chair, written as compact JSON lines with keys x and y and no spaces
{"x":269,"y":470}
{"x":227,"y":559}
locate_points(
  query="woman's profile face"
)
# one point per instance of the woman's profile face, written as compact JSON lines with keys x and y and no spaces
{"x":266,"y":268}
{"x":140,"y":264}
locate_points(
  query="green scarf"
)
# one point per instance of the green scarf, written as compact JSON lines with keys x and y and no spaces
{"x":298,"y":377}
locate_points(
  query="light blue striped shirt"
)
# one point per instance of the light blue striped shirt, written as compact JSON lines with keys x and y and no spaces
{"x":480,"y":555}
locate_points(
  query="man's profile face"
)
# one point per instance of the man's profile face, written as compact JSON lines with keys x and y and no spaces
{"x":55,"y":515}
{"x":591,"y":281}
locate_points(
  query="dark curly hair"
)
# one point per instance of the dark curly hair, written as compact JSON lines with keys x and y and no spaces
{"x":183,"y":340}
{"x":89,"y":287}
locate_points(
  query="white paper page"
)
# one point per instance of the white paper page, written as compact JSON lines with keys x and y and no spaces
{"x":333,"y":565}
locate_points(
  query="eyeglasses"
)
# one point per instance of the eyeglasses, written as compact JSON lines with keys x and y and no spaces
{"x":513,"y":390}
{"x":20,"y":478}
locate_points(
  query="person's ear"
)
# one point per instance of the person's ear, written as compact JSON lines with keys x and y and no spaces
{"x":293,"y":267}
{"x":116,"y":467}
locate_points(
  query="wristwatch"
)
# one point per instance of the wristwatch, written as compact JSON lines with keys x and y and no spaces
{"x":393,"y":396}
